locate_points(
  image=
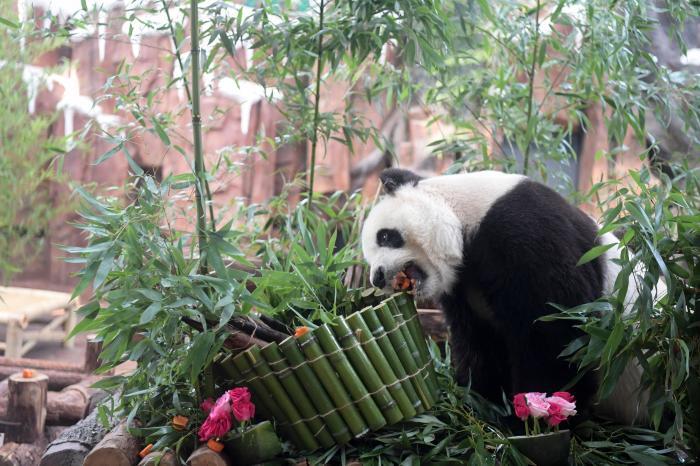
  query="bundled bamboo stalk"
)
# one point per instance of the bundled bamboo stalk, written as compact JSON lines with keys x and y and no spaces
{"x":261,"y":403}
{"x":325,"y":373}
{"x":289,"y":381}
{"x":270,"y":381}
{"x":406,"y":306}
{"x":251,"y":379}
{"x":367,"y":372}
{"x":401,"y":345}
{"x":370,"y":317}
{"x":424,"y":365}
{"x":359,"y":393}
{"x":383,"y":364}
{"x":315,"y":389}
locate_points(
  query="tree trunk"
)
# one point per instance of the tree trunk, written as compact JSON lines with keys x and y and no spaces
{"x":117,"y":448}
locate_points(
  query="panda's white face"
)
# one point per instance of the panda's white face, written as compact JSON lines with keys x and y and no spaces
{"x":417,"y":233}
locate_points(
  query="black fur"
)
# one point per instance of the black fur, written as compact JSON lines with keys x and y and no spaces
{"x":393,"y":178}
{"x":389,"y":238}
{"x":522,"y":256}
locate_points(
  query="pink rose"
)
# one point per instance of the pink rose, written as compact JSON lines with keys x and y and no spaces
{"x":219,"y":420}
{"x":566,"y":408}
{"x":240,"y":394}
{"x":566,"y":395}
{"x":537,"y":404}
{"x":207,"y":405}
{"x":520,"y":405}
{"x":555,"y":415}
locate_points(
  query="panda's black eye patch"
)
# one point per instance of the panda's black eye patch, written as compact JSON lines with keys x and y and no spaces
{"x":389,"y":238}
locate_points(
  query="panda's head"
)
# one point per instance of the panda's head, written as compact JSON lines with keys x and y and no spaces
{"x":412,"y":230}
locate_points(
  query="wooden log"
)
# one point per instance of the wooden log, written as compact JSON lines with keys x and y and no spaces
{"x":66,"y":407}
{"x":203,"y":456}
{"x":74,"y":443}
{"x":117,"y":448}
{"x":24,"y":363}
{"x":20,"y":454}
{"x":26,"y":407}
{"x":160,"y":458}
{"x":57,"y":379}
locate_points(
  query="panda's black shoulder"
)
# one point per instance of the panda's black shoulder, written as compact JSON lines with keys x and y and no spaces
{"x":533,"y":232}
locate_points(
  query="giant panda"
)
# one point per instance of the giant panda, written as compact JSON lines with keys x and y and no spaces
{"x":494,"y":249}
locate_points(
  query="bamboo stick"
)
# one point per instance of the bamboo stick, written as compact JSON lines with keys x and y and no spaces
{"x":382,"y":363}
{"x":270,"y":381}
{"x":289,"y":381}
{"x":315,"y":389}
{"x":370,"y":317}
{"x":259,"y":398}
{"x":367,"y":372}
{"x":325,"y":373}
{"x":408,"y":360}
{"x":369,"y":409}
{"x":246,"y":370}
{"x":405,"y":304}
{"x":424,"y":365}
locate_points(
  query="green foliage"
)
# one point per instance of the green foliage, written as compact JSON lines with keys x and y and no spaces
{"x":304,"y":266}
{"x":652,"y":317}
{"x":29,"y":159}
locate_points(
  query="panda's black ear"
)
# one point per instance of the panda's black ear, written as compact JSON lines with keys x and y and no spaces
{"x":393,"y":178}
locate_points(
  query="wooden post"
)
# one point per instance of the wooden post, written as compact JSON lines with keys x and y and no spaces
{"x":27,"y":406}
{"x":92,"y":353}
{"x":117,"y":448}
{"x":203,"y":456}
{"x":13,"y":340}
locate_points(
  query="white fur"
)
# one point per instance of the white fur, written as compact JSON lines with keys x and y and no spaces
{"x":433,"y":218}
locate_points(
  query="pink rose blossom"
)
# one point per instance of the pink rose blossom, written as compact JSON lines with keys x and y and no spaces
{"x":565,"y":407}
{"x":555,"y":416}
{"x":520,"y":405}
{"x":207,"y":405}
{"x":243,"y":408}
{"x":218,"y":423}
{"x":537,"y":404}
{"x":566,"y":395}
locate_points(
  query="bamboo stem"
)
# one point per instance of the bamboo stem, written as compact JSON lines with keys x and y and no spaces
{"x":317,"y":98}
{"x":200,"y":196}
{"x":531,"y":76}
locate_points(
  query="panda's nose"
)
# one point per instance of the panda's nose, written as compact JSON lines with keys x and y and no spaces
{"x":378,"y":279}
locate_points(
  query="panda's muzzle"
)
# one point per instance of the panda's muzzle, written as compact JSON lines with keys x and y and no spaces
{"x":409,"y":278}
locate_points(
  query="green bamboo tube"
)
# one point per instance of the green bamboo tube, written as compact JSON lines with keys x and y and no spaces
{"x":315,"y":391}
{"x":260,"y":391}
{"x":334,"y":387}
{"x":405,"y":304}
{"x":367,"y":372}
{"x":261,"y":405}
{"x":359,"y":393}
{"x":273,"y":385}
{"x":369,"y":316}
{"x":291,"y":385}
{"x":400,"y":343}
{"x":382,"y":364}
{"x":425,"y":365}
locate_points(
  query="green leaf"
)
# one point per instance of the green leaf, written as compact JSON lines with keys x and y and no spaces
{"x":150,"y":312}
{"x":594,"y":253}
{"x":105,"y":267}
{"x":9,"y":23}
{"x":160,"y":131}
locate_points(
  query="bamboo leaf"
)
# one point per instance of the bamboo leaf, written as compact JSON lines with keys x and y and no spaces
{"x":594,"y":253}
